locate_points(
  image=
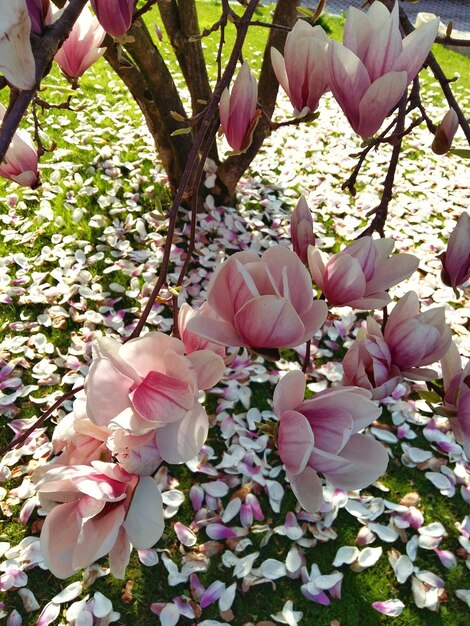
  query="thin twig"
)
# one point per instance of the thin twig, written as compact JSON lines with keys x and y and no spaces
{"x":440,"y":77}
{"x":211,"y":111}
{"x":16,"y":442}
{"x":44,"y":49}
{"x":381,"y":211}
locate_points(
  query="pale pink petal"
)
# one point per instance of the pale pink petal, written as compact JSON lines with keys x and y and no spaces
{"x":378,"y":101}
{"x":391,"y":272}
{"x":357,"y":31}
{"x":289,"y":392}
{"x":179,"y":442}
{"x":344,"y":280}
{"x":384,"y":43}
{"x":349,"y":80}
{"x":98,"y":535}
{"x":365,"y":459}
{"x":307,"y":489}
{"x":314,"y":318}
{"x":375,"y":301}
{"x":49,"y":614}
{"x":106,"y":392}
{"x":416,"y":47}
{"x":295,"y":441}
{"x":215,"y":330}
{"x":269,"y":322}
{"x":144,"y":520}
{"x":316,"y":266}
{"x":279,"y":68}
{"x":119,"y":555}
{"x":59,"y":536}
{"x":163,"y":399}
{"x":283,"y":262}
{"x":209,"y":368}
{"x":392,"y":608}
{"x":147,"y":353}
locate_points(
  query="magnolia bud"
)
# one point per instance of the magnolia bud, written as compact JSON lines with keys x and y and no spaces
{"x":445,"y":133}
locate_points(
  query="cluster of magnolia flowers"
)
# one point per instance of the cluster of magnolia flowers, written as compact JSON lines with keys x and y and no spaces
{"x":367,"y":74}
{"x":141,"y":403}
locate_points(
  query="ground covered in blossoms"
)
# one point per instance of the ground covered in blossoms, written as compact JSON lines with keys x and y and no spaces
{"x":78,"y":258}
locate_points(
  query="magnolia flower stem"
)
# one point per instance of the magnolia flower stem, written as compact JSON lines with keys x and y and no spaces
{"x":16,"y":442}
{"x":146,"y":7}
{"x":451,"y":41}
{"x":211,"y":111}
{"x":44,"y":48}
{"x":194,"y":210}
{"x":381,"y":211}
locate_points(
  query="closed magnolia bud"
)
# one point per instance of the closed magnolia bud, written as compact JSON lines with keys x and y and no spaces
{"x":238,"y":112}
{"x":301,"y":229}
{"x":38,"y":12}
{"x":115,"y":16}
{"x":82,"y":47}
{"x":445,"y":133}
{"x":456,"y":259}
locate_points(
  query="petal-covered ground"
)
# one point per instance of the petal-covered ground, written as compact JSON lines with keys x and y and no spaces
{"x":78,"y":258}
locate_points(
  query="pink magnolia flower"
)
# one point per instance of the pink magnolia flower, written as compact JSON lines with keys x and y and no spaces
{"x":82,"y":47}
{"x":370,"y":72}
{"x":445,"y":133}
{"x":416,"y":339}
{"x":457,"y":395}
{"x":456,"y":259}
{"x":16,"y":56}
{"x":301,"y":229}
{"x":38,"y":12}
{"x":322,"y":435}
{"x":359,"y":275}
{"x":303,"y":71}
{"x":148,"y":383}
{"x":21,"y":160}
{"x":263,"y":303}
{"x":115,"y":16}
{"x":238,"y":112}
{"x":368,"y":363}
{"x":95,"y":510}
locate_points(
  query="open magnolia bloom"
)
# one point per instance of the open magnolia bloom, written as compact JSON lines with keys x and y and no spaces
{"x":416,"y":339}
{"x":262,"y":303}
{"x":322,"y":435}
{"x":148,"y":383}
{"x":302,"y":71}
{"x":370,"y":72}
{"x":93,"y":510}
{"x":368,"y":363}
{"x":359,"y":275}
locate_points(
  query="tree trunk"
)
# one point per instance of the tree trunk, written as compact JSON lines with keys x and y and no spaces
{"x":147,"y":77}
{"x":182,"y":27}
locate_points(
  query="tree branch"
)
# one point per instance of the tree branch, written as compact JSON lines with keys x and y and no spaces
{"x":44,"y":48}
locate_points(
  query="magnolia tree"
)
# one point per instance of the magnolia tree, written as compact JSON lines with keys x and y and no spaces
{"x":140,"y":407}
